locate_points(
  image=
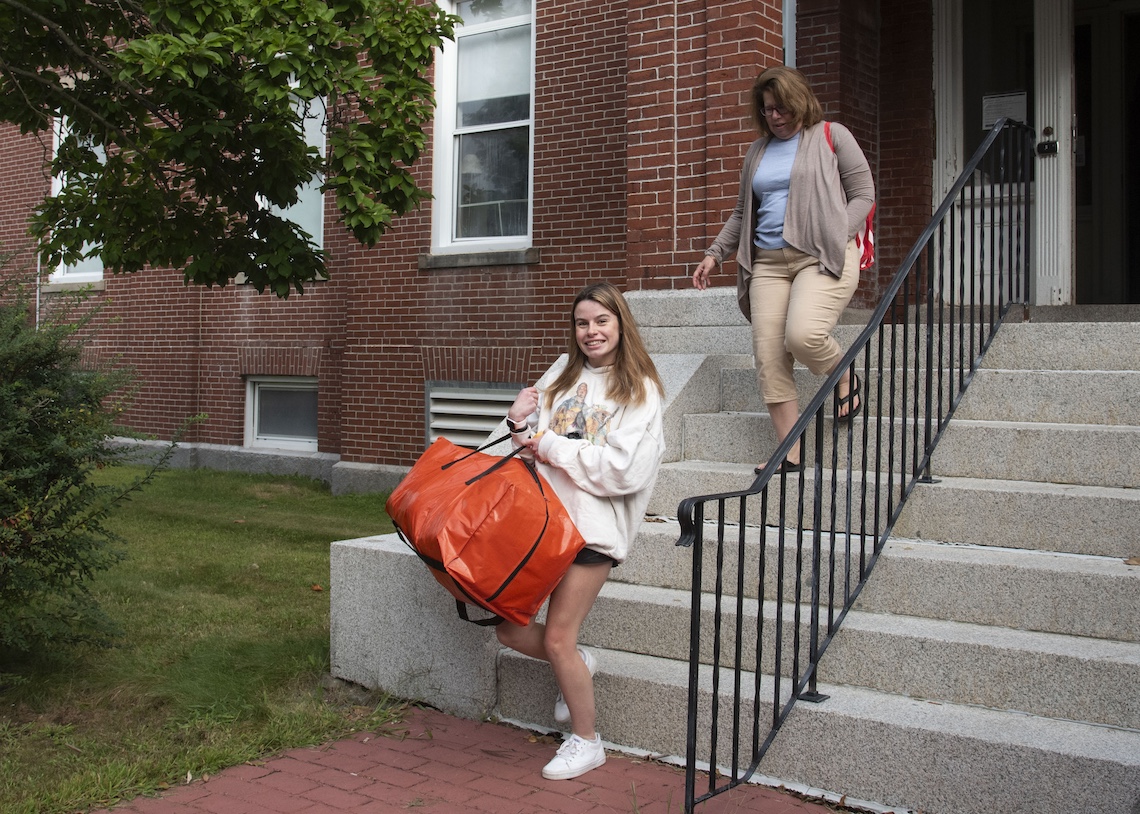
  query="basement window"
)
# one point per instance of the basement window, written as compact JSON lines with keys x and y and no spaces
{"x":466,"y":413}
{"x":281,"y":412}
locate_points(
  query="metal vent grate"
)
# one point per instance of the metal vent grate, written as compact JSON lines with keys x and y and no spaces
{"x":467,"y":414}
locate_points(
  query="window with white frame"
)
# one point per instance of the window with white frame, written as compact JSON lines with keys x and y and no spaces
{"x":281,"y":412}
{"x":88,"y":269}
{"x":484,"y":134}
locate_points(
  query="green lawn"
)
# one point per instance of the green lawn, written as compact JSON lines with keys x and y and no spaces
{"x":224,"y":603}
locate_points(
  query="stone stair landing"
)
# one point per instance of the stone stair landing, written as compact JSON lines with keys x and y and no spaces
{"x":991,"y":662}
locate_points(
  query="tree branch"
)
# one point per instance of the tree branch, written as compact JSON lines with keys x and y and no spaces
{"x":84,"y":59}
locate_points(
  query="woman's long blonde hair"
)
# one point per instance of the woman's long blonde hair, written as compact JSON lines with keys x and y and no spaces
{"x":633,"y":365}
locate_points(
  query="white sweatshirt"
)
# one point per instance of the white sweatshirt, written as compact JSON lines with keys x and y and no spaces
{"x":605,"y":477}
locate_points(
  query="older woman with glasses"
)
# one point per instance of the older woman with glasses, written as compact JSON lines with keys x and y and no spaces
{"x":805,"y":192}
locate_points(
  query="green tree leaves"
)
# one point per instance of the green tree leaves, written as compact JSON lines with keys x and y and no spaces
{"x":184,"y":125}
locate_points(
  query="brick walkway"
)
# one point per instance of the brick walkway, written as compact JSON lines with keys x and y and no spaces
{"x":436,"y":763}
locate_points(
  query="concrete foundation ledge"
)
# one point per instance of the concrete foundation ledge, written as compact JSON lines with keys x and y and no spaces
{"x":395,"y":629}
{"x":347,"y":477}
{"x":316,"y":465}
{"x":341,"y":477}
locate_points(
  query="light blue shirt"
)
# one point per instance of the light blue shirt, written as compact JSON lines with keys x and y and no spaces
{"x":770,"y":190}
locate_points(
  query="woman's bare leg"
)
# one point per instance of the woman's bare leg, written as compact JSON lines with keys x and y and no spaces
{"x":784,"y":415}
{"x":557,"y":640}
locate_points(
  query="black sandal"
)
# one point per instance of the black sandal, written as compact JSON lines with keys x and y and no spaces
{"x":785,"y":466}
{"x":853,"y":409}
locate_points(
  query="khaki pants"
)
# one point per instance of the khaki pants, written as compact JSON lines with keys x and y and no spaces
{"x":795,"y":307}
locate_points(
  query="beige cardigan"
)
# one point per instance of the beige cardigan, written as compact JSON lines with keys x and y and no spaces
{"x":830,"y":195}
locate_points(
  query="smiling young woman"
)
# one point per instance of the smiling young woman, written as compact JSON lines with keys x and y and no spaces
{"x":597,"y":331}
{"x":596,"y":433}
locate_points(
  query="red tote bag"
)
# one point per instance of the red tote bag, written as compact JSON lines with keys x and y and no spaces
{"x":491,"y":530}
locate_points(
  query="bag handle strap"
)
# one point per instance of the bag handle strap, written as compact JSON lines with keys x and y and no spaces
{"x":490,"y":621}
{"x":487,"y":445}
{"x":498,"y":464}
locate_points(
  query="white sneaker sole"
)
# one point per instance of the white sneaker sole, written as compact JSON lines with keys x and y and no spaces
{"x":578,"y":771}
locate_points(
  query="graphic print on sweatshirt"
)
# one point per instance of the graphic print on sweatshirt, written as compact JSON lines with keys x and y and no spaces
{"x":576,"y":418}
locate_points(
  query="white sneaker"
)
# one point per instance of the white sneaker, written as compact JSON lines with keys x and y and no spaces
{"x":561,"y":711}
{"x":575,"y":757}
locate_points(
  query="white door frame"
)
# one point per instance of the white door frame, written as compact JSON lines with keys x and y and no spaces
{"x":1054,"y":223}
{"x":1052,"y":253}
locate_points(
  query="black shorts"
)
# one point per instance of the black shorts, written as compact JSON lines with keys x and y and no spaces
{"x":587,"y":556}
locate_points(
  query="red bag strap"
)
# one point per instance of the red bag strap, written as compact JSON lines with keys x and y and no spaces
{"x":865,"y":239}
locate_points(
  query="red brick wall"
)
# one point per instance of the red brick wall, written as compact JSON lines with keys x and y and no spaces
{"x":382,"y":325}
{"x":191,"y":348}
{"x":871,"y":64}
{"x":906,"y":139}
{"x":22,"y":185}
{"x":184,"y":344}
{"x":690,"y":68}
{"x":641,"y":123}
{"x":838,"y":49}
{"x":684,"y":169}
{"x":405,"y":325}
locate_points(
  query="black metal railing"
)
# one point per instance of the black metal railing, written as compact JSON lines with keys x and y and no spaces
{"x":793,"y":551}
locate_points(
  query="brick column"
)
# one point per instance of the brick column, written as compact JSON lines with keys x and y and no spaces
{"x":906,"y":128}
{"x":691,"y":64}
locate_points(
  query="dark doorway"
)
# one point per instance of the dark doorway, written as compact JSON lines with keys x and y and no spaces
{"x":1106,"y":57}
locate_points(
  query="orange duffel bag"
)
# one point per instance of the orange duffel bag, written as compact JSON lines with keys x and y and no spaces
{"x":491,"y":530}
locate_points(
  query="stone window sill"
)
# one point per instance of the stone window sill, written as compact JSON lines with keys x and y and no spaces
{"x":522,"y":257}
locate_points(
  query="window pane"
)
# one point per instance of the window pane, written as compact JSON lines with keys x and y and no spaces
{"x":87,"y":267}
{"x":494,"y":77}
{"x":486,"y":11}
{"x":493,"y":178}
{"x":289,"y":413}
{"x":309,"y":211}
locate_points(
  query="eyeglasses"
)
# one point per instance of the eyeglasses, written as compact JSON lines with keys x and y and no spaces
{"x":769,"y":112}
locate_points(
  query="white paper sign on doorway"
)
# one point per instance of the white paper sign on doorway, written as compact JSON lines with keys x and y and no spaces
{"x":1011,"y":105}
